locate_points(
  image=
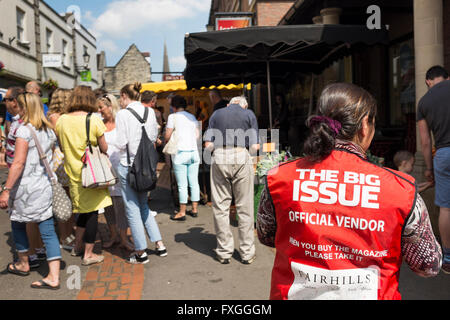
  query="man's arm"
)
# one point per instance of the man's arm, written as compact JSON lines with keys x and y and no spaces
{"x":254,"y":144}
{"x":209,"y":134}
{"x":425,"y":139}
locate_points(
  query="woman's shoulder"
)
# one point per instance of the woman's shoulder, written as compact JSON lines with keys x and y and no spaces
{"x":187,"y":115}
{"x":23,"y":131}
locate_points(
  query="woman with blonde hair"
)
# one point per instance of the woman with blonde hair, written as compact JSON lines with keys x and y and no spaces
{"x":115,"y":215}
{"x":57,"y":107}
{"x":71,"y":131}
{"x":28,"y":192}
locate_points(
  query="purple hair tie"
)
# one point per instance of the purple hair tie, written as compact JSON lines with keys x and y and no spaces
{"x":334,"y":125}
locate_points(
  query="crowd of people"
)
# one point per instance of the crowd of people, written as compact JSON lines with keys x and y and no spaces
{"x":307,"y":203}
{"x":59,"y":129}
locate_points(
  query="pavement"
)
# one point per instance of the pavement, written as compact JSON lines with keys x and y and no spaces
{"x":189,"y":272}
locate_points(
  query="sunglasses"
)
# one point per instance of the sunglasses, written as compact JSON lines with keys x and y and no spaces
{"x":9,"y":99}
{"x":105,"y":96}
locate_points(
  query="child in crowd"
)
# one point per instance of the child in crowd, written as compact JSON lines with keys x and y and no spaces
{"x":404,"y":161}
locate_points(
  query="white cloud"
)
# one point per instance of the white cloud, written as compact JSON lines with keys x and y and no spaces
{"x":177,"y":63}
{"x":108,"y":45}
{"x":123,"y":18}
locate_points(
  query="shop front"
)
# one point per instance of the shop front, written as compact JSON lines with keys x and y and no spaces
{"x":386,"y":70}
{"x":291,"y":65}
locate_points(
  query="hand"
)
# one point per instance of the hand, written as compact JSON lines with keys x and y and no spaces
{"x":429,"y":174}
{"x":4,"y":199}
{"x":426,"y":184}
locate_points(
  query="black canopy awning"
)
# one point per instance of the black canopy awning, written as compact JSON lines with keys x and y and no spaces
{"x":242,"y":55}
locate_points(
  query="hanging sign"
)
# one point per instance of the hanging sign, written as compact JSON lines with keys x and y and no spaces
{"x":228,"y":23}
{"x":86,"y":75}
{"x":51,"y":60}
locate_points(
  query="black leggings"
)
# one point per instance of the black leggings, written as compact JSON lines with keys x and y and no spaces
{"x":88,"y":221}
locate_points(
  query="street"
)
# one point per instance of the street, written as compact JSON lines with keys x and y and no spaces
{"x":189,"y":272}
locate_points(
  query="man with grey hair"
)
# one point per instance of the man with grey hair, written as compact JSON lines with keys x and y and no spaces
{"x":242,"y":101}
{"x":232,"y":132}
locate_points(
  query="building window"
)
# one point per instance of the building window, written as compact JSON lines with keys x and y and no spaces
{"x":20,"y":25}
{"x":402,"y":84}
{"x":49,"y":40}
{"x":65,"y":53}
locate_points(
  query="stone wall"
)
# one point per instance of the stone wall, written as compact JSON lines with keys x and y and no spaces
{"x":132,"y":67}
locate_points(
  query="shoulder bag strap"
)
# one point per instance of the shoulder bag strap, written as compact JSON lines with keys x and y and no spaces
{"x":88,"y":129}
{"x":142,"y":121}
{"x":42,"y":155}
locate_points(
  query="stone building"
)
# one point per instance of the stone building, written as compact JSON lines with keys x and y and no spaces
{"x":134,"y":66}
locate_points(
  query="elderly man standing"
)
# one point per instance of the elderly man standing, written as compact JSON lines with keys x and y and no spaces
{"x":433,"y":113}
{"x":233,"y":134}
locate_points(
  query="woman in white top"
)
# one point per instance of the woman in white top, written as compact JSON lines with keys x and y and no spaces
{"x":27,"y":192}
{"x":115,"y":214}
{"x":187,"y":160}
{"x":128,"y":138}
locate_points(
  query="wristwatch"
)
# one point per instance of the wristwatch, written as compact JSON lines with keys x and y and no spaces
{"x":5,"y":189}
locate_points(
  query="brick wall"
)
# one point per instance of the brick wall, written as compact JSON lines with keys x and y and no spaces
{"x":270,"y":13}
{"x":446,"y":16}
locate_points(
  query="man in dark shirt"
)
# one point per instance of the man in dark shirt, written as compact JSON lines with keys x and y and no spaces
{"x":216,"y":99}
{"x":433,"y":114}
{"x":232,"y":132}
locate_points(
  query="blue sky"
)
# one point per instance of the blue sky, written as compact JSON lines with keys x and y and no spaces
{"x":147,"y":23}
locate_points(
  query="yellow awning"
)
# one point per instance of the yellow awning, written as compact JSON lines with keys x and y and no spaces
{"x":180,"y":85}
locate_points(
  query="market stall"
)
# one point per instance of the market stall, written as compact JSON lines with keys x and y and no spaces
{"x":196,"y":98}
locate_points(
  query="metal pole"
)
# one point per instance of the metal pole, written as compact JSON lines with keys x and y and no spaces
{"x":269,"y":94}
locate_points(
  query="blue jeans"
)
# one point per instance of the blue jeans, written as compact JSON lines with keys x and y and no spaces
{"x":48,"y":235}
{"x":442,"y":177}
{"x":185,"y":167}
{"x":138,"y":213}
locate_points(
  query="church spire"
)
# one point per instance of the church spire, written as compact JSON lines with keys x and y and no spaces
{"x":166,"y":68}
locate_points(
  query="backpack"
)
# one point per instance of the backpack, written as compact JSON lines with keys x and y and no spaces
{"x":142,"y":174}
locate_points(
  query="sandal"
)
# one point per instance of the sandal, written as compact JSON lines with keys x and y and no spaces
{"x":44,"y":285}
{"x":89,"y":261}
{"x":192,"y":214}
{"x":16,"y":271}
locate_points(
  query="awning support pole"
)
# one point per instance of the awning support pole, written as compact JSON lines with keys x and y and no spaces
{"x":269,"y":95}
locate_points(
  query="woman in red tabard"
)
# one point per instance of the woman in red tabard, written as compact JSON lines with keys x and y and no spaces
{"x":341,"y":224}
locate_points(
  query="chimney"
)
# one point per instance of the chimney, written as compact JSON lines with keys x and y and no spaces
{"x":330,"y":15}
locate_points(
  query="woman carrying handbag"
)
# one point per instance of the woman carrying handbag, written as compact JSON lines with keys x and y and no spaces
{"x":28,"y":191}
{"x":129,"y":135}
{"x":183,"y":132}
{"x":71,"y":131}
